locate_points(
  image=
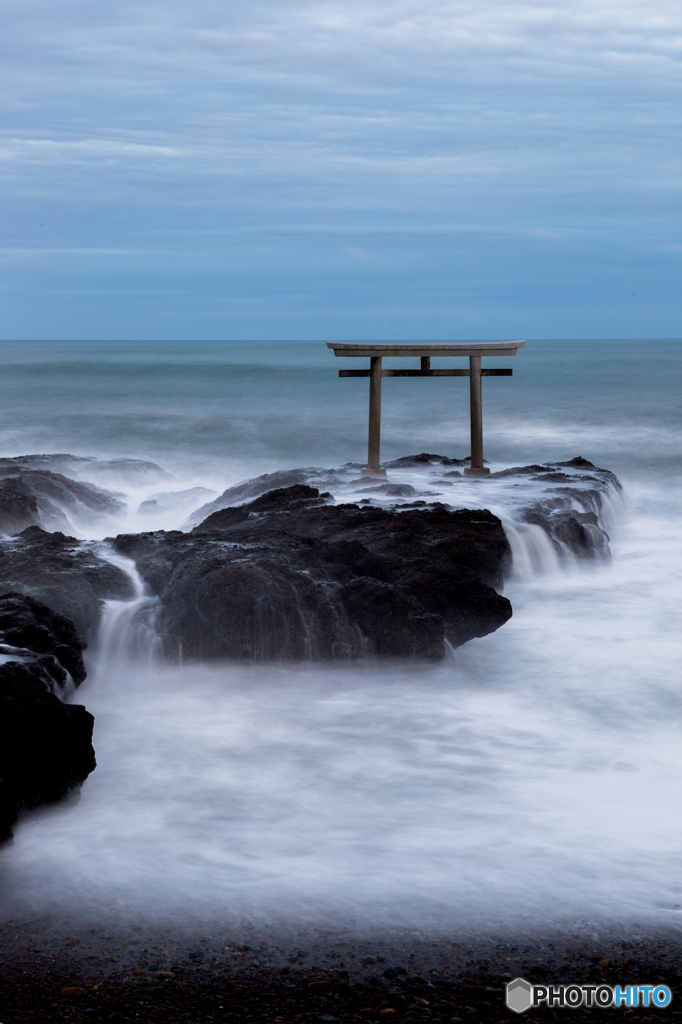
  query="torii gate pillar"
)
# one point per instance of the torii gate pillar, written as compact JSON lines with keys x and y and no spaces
{"x":476,"y":467}
{"x":374,"y":434}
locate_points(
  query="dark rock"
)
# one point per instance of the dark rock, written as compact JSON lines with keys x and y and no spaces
{"x":29,"y":626}
{"x":424,"y":459}
{"x":250,"y":489}
{"x":580,"y":463}
{"x":64,"y":573}
{"x":286,"y":498}
{"x":273,"y":600}
{"x":43,"y":498}
{"x":577,"y":533}
{"x":521,"y":471}
{"x":395,"y":622}
{"x":286,"y":578}
{"x":471,"y":538}
{"x":390,"y":490}
{"x":19,"y":508}
{"x":45,"y":746}
{"x":468,"y":607}
{"x":133,"y":471}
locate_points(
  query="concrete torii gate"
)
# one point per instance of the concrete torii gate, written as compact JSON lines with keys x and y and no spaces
{"x":472,"y":349}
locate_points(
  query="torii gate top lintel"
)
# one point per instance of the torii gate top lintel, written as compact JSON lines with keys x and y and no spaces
{"x":425,"y":348}
{"x":474,"y":350}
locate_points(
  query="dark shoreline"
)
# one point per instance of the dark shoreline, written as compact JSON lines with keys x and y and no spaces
{"x":163,"y":975}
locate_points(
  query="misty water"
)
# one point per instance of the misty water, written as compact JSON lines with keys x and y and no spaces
{"x":529,"y":780}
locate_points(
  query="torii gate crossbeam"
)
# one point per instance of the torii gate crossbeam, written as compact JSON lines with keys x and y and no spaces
{"x":474,"y":350}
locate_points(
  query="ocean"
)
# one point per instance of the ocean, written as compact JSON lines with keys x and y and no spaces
{"x":530,"y":781}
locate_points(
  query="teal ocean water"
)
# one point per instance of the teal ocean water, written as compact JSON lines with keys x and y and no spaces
{"x":231,"y":409}
{"x":530,"y":780}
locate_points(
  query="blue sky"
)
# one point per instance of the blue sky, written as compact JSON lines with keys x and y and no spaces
{"x":396,"y":169}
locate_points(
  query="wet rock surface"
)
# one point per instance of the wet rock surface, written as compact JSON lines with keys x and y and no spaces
{"x":280,"y":567}
{"x":67,"y":574}
{"x":45,"y":746}
{"x":575,"y":530}
{"x":471,"y":538}
{"x":33,"y":495}
{"x":569,"y":508}
{"x":91,"y":469}
{"x":51,"y":974}
{"x":29,"y":628}
{"x":288,"y":577}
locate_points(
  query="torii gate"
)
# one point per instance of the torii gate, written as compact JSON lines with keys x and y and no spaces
{"x":474,"y":350}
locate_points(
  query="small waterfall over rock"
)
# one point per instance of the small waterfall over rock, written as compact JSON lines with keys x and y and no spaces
{"x":127,"y":632}
{"x":533,"y":553}
{"x":562,"y":528}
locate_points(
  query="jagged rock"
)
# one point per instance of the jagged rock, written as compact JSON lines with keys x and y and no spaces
{"x":472,"y":538}
{"x":424,"y":459}
{"x":287,"y":578}
{"x":576,"y":532}
{"x":45,"y":746}
{"x":67,"y":574}
{"x":18,"y":507}
{"x":43,"y":498}
{"x":390,"y":490}
{"x":27,"y":625}
{"x":134,"y":471}
{"x":250,"y":489}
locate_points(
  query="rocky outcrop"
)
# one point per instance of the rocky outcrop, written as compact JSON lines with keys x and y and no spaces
{"x":45,"y":745}
{"x":67,"y":574}
{"x":570,"y":510}
{"x":109,"y":472}
{"x":40,"y":497}
{"x":288,"y":577}
{"x":471,"y":538}
{"x":251,"y":489}
{"x":29,"y":628}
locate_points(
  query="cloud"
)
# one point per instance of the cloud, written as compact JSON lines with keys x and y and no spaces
{"x":263,"y":132}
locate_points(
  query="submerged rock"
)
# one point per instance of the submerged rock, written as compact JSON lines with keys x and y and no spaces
{"x":288,"y":578}
{"x":67,"y":574}
{"x":45,"y":746}
{"x":174,"y":501}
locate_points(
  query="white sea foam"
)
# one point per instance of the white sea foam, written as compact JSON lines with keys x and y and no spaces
{"x":529,"y":779}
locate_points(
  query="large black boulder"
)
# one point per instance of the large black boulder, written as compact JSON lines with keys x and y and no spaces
{"x":288,"y":577}
{"x":471,"y":538}
{"x":45,"y":745}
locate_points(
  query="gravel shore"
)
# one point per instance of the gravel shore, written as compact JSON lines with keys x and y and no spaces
{"x":51,"y":971}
